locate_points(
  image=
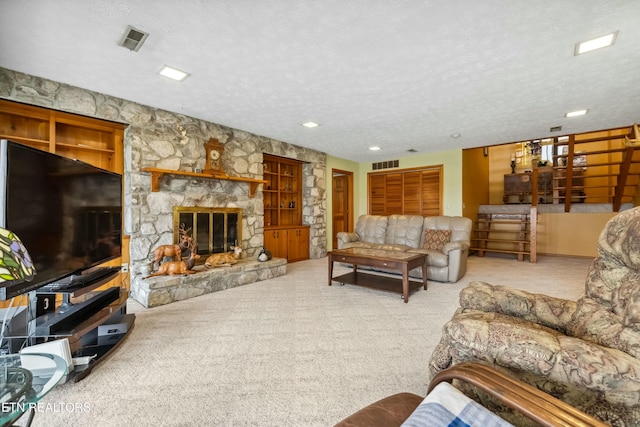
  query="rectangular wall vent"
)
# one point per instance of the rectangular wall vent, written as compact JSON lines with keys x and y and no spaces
{"x":133,"y":38}
{"x":385,"y":165}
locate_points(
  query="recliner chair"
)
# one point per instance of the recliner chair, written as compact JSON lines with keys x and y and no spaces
{"x":584,"y":352}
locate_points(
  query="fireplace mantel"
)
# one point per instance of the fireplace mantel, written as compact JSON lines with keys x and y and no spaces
{"x":157,"y":174}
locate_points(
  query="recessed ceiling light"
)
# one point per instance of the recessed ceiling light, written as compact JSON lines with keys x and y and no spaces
{"x":576,"y":113}
{"x":374,"y":148}
{"x":455,"y":135}
{"x":597,"y":43}
{"x":310,"y":125}
{"x":173,"y":73}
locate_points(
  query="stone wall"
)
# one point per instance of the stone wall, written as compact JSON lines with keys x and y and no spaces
{"x":159,"y":138}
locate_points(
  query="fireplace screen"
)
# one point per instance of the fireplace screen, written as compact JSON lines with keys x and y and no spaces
{"x":215,"y":230}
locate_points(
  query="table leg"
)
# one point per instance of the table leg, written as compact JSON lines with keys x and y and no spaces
{"x":330,"y":268}
{"x":405,"y":282}
{"x":424,"y":272}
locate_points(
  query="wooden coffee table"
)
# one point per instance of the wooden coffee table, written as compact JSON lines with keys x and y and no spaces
{"x":402,"y":262}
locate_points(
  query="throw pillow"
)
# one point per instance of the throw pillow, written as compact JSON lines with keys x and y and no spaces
{"x":435,"y":240}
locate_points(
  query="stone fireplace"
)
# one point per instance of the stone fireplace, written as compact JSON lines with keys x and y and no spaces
{"x":215,"y":230}
{"x":172,"y":141}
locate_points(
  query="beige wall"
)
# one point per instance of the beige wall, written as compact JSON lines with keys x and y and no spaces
{"x":499,"y":165}
{"x":344,"y":165}
{"x":571,"y":234}
{"x":475,"y":181}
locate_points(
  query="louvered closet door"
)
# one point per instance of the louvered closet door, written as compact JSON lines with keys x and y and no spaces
{"x":430,"y":193}
{"x":409,"y":192}
{"x":377,"y":194}
{"x":412,"y":193}
{"x":394,"y":194}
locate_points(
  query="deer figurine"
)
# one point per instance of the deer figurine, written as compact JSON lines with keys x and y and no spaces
{"x":225,"y":259}
{"x":171,"y":268}
{"x":173,"y":251}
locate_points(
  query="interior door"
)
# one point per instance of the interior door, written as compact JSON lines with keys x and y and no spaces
{"x":342,"y":201}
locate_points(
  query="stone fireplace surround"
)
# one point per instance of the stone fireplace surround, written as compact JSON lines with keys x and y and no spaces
{"x":162,"y":139}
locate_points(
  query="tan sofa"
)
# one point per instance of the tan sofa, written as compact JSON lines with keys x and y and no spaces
{"x":584,"y":352}
{"x":445,"y":238}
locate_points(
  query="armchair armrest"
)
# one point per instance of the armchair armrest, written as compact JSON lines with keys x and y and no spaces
{"x":555,"y":313}
{"x":455,"y":245}
{"x":544,"y":409}
{"x":457,"y":251}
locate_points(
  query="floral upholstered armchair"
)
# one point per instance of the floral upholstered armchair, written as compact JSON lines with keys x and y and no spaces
{"x":585,"y":352}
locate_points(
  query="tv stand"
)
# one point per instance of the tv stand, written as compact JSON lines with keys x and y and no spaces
{"x":95,"y":322}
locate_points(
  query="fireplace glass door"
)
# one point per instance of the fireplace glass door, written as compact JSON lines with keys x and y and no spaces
{"x":215,"y":230}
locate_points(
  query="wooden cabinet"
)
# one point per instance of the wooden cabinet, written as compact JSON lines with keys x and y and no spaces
{"x":289,"y":243}
{"x":298,"y":244}
{"x":276,"y":241}
{"x":517,"y":187}
{"x":284,"y":235}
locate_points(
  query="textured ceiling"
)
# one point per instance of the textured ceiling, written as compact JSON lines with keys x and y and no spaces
{"x":398,"y":74}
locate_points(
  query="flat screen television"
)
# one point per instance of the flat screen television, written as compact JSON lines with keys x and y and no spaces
{"x":67,"y":213}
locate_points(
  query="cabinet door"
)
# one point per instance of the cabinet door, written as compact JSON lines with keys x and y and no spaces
{"x":275,"y":240}
{"x":298,"y":244}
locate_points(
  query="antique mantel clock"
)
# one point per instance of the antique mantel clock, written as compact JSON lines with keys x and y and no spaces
{"x":213,"y":164}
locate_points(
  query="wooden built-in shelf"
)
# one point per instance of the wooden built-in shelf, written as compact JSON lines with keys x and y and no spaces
{"x":157,"y":174}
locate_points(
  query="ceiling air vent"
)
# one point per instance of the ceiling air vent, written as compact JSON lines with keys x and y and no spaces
{"x":555,"y":129}
{"x":133,"y":38}
{"x":385,"y":165}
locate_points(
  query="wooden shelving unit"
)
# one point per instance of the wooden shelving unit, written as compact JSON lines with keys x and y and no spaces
{"x":99,"y":143}
{"x":285,"y":235}
{"x":94,"y":141}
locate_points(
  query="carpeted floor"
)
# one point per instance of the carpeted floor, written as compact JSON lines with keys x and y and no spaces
{"x":290,"y":351}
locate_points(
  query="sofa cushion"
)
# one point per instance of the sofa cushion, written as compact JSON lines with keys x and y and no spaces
{"x":459,"y":226}
{"x":404,"y":230}
{"x":435,"y":258}
{"x":372,"y":228}
{"x":436,"y":239}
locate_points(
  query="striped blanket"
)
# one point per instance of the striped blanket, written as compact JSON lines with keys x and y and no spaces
{"x":446,"y":406}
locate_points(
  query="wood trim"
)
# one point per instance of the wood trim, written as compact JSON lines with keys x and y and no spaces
{"x":535,"y":404}
{"x":349,"y":174}
{"x":157,"y":174}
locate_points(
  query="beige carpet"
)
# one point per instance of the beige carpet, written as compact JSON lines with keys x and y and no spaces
{"x":290,"y":351}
